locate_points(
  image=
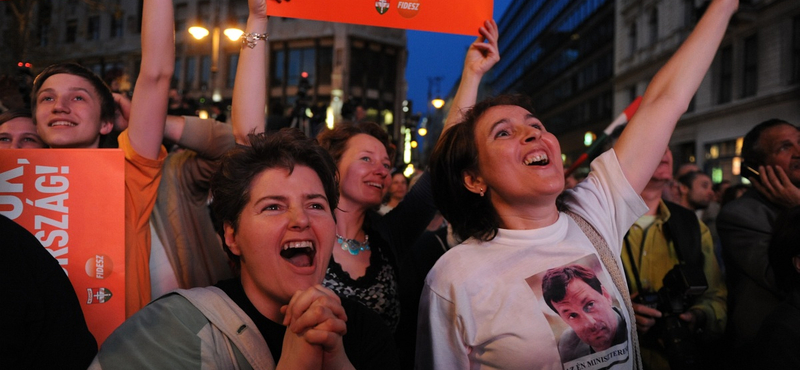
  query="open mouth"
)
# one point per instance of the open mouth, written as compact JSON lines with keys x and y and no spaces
{"x":62,"y":124}
{"x":299,"y":253}
{"x":539,"y":159}
{"x":376,"y":185}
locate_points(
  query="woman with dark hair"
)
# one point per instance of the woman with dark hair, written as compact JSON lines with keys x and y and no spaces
{"x":498,"y":177}
{"x":17,"y":130}
{"x":274,"y":200}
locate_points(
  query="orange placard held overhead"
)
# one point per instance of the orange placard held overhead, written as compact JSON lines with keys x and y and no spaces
{"x":72,"y":201}
{"x":459,"y":17}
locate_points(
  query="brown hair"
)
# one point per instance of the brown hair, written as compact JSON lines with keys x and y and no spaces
{"x":107,"y":105}
{"x":556,"y":280}
{"x":230,"y":185}
{"x":335,"y":141}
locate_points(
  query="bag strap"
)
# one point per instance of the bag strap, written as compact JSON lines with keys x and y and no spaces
{"x":612,"y":266}
{"x":229,"y":318}
{"x":683,"y":229}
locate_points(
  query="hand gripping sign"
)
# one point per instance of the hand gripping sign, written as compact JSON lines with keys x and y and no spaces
{"x":72,"y":201}
{"x":446,"y":16}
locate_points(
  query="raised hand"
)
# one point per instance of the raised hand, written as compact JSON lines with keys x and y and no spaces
{"x":776,"y":186}
{"x":483,"y":54}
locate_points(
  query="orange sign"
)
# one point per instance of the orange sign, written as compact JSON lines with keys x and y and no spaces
{"x":72,"y":200}
{"x":459,"y":17}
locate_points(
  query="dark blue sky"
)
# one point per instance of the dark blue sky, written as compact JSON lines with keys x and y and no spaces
{"x":437,"y":54}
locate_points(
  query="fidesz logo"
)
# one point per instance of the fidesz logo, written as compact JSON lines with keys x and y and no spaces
{"x":99,"y":266}
{"x":408,"y":9}
{"x":97,"y":295}
{"x":382,"y":6}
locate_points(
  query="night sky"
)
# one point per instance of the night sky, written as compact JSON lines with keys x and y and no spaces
{"x":437,"y":54}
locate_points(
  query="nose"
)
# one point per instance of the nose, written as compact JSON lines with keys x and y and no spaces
{"x":589,"y":322}
{"x":381,"y":170}
{"x":298,"y":219}
{"x":60,"y":105}
{"x":530,"y":134}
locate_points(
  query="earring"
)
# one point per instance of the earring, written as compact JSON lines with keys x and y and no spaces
{"x":481,"y":191}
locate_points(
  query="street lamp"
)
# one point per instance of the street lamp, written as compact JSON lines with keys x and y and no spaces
{"x":199,"y":32}
{"x":438,"y":103}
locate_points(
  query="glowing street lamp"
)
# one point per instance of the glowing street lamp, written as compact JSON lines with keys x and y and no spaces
{"x":438,"y":103}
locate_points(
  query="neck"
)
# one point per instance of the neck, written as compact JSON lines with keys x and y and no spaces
{"x":527,"y":217}
{"x":265,"y":305}
{"x":652,"y":196}
{"x":349,"y":220}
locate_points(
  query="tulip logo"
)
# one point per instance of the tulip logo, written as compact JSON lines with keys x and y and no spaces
{"x":382,"y":6}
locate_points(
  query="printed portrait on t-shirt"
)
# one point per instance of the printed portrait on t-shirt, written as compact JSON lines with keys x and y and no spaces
{"x":585,"y":316}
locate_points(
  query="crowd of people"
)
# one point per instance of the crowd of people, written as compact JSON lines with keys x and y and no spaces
{"x":273,"y":250}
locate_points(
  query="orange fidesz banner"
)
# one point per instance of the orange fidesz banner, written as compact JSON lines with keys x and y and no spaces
{"x":73,"y":202}
{"x":459,"y":17}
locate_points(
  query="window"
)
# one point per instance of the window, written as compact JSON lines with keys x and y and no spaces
{"x":93,"y":28}
{"x":632,"y":39}
{"x":750,"y":75}
{"x":203,"y":11}
{"x":796,"y":49}
{"x":117,"y":29}
{"x":301,"y":60}
{"x":233,"y":62}
{"x":653,"y":26}
{"x":278,"y":68}
{"x":72,"y":31}
{"x":191,"y":72}
{"x":205,"y":71}
{"x":181,"y":14}
{"x":725,"y":75}
{"x":325,"y":65}
{"x":43,"y":18}
{"x":176,"y":75}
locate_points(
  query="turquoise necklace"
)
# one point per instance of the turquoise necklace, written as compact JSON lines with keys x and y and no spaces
{"x":353,"y":246}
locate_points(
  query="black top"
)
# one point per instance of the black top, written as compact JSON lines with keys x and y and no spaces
{"x":42,"y":324}
{"x":368,"y":342}
{"x":390,"y":238}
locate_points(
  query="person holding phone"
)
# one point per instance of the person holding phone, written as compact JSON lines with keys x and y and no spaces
{"x":771,"y":153}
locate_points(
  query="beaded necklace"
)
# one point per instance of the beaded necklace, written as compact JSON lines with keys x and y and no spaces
{"x":353,"y":246}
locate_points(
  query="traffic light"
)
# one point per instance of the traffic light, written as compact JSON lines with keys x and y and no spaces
{"x":302,"y":88}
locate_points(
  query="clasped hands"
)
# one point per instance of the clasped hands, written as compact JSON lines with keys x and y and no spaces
{"x":315,"y":323}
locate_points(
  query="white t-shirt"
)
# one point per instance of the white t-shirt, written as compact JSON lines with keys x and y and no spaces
{"x":482,"y":305}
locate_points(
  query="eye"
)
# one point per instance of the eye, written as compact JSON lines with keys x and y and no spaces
{"x":386,"y":166}
{"x":79,"y":98}
{"x":319,"y":206}
{"x":30,"y":139}
{"x":502,"y":133}
{"x":271,"y":207}
{"x":366,"y":159}
{"x":6,"y":139}
{"x":44,"y":98}
{"x":589,"y":307}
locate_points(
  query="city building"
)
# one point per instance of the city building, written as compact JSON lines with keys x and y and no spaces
{"x":754,"y":77}
{"x":561,"y":54}
{"x":326,"y":64}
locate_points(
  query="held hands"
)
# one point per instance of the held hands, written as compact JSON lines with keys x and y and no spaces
{"x":481,"y":55}
{"x":645,"y":317}
{"x":776,"y":186}
{"x":315,"y":321}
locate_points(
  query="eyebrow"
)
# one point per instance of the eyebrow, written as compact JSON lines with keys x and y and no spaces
{"x":505,"y":120}
{"x":50,"y":89}
{"x":281,"y":198}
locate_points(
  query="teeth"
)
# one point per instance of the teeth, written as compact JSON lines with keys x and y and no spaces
{"x":62,"y":123}
{"x":298,"y":244}
{"x":379,"y":186}
{"x":537,"y":158}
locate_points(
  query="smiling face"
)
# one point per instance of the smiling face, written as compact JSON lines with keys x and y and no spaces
{"x":68,"y":113}
{"x":363,"y":168}
{"x":781,"y":146}
{"x":19,"y":133}
{"x":284,"y":235}
{"x":519,"y":162}
{"x":589,"y":313}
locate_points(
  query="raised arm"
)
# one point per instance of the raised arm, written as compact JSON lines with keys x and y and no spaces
{"x":149,"y":103}
{"x":250,"y":86}
{"x":481,"y":56}
{"x":644,"y":140}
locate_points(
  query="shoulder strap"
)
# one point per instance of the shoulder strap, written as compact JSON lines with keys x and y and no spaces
{"x":230,"y":319}
{"x":683,"y":229}
{"x":611,"y":263}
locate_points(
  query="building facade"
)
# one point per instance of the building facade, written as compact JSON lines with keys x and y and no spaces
{"x":755,"y":75}
{"x":340,"y":62}
{"x":561,"y":54}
